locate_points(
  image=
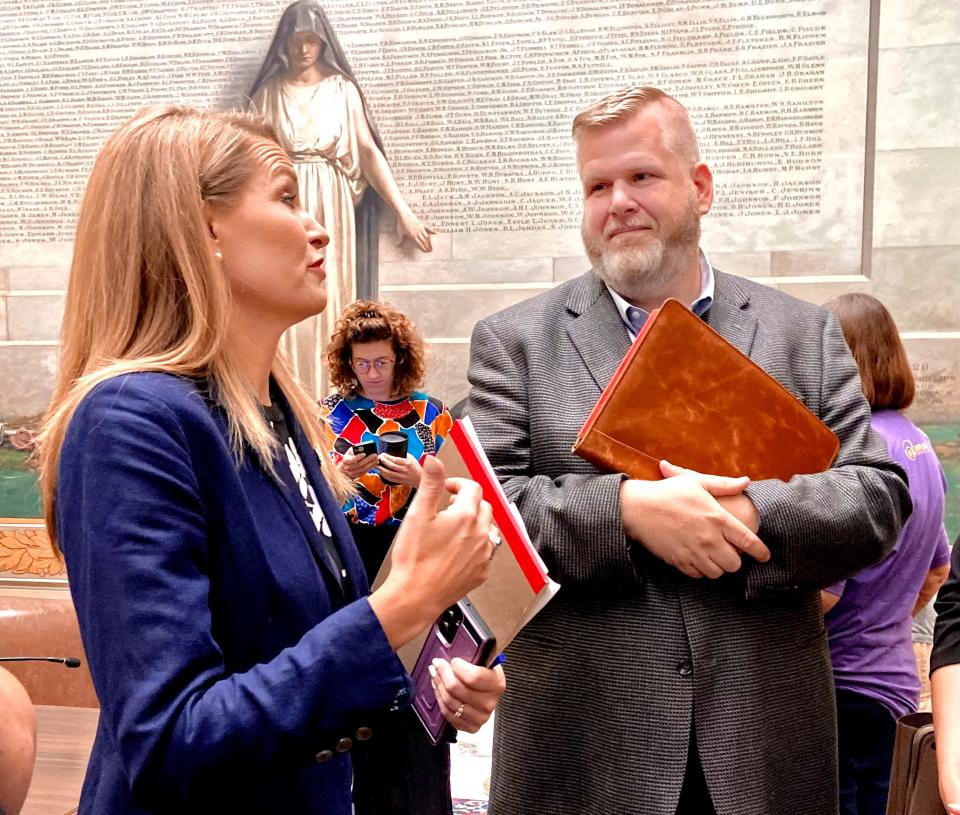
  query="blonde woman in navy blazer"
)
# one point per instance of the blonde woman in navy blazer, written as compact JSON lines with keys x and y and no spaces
{"x":237,"y":655}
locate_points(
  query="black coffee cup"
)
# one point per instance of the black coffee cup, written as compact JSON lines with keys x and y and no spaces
{"x":393,"y":443}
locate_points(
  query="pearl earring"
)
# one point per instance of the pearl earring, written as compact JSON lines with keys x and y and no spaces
{"x":218,"y":254}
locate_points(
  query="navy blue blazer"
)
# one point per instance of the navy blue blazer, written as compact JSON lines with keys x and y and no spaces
{"x":225,"y":661}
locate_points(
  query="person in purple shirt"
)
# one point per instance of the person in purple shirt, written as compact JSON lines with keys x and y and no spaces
{"x":868,"y":616}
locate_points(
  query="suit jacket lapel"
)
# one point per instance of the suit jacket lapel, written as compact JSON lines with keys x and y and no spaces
{"x":298,"y":507}
{"x":356,"y":583}
{"x":597,"y":330}
{"x":730,"y":315}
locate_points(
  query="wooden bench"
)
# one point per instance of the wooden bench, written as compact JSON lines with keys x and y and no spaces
{"x":43,"y":623}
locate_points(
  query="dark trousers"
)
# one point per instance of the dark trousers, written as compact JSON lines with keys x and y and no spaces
{"x":694,"y":795}
{"x":398,"y":771}
{"x":373,"y":543}
{"x":865,"y":731}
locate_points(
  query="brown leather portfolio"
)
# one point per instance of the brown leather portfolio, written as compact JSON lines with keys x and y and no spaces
{"x":685,"y":394}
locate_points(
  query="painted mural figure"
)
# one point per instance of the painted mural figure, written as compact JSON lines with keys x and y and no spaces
{"x":308,"y":92}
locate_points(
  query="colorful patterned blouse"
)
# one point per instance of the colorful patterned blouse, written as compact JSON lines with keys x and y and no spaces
{"x":423,"y":419}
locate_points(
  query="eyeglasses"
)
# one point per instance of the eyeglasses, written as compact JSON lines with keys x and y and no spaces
{"x":362,"y":366}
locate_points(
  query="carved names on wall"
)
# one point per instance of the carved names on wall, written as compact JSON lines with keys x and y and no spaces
{"x":474,"y":101}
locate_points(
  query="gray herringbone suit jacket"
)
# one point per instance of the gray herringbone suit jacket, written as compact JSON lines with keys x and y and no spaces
{"x":601,"y":697}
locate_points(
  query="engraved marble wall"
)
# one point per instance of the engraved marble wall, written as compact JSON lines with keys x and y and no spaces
{"x":493,"y":170}
{"x":916,"y":240}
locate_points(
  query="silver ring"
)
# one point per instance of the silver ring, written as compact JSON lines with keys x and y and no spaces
{"x":458,"y":712}
{"x":494,"y":537}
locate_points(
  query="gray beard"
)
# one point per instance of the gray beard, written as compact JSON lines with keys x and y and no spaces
{"x":638,"y":273}
{"x":644,"y":273}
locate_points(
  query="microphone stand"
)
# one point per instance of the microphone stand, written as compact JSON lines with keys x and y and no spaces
{"x":67,"y":662}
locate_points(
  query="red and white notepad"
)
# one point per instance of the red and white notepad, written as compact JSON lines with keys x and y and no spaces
{"x":518,"y":586}
{"x":470,"y":457}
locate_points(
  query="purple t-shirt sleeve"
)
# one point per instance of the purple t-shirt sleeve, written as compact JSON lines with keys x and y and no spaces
{"x":941,"y":554}
{"x":941,"y":557}
{"x":837,"y":588}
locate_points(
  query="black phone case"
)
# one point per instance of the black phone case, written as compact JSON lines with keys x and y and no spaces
{"x":472,"y":642}
{"x":367,"y":448}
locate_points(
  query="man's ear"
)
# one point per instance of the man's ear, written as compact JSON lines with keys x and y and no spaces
{"x":703,"y":181}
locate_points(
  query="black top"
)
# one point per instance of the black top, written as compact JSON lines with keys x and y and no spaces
{"x":946,"y":634}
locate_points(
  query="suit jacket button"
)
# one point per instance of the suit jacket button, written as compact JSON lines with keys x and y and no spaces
{"x":685,"y":667}
{"x":363,"y":733}
{"x":323,"y":756}
{"x":344,"y":744}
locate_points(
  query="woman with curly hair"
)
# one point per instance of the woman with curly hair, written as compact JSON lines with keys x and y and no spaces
{"x":377,"y":361}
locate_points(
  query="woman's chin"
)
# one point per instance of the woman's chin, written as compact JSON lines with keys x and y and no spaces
{"x":312,"y":305}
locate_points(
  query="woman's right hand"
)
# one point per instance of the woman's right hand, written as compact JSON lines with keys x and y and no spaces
{"x":437,"y":557}
{"x":353,"y":466}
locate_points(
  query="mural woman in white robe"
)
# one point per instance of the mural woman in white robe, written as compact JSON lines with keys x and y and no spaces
{"x":307,"y":91}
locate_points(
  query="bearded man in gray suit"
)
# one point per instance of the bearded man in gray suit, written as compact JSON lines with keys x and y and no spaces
{"x":683,"y":666}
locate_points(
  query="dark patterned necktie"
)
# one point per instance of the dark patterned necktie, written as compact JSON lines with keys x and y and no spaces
{"x":636,"y":317}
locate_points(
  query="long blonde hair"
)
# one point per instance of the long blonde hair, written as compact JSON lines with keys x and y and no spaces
{"x":145,"y":292}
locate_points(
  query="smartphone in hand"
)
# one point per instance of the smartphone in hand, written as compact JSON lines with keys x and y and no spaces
{"x":458,"y":632}
{"x":367,"y":448}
